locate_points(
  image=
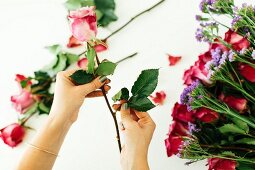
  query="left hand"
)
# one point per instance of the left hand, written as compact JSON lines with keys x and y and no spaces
{"x":68,"y":98}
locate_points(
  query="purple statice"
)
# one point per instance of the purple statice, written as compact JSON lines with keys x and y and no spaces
{"x":231,"y":55}
{"x":200,"y":35}
{"x":235,"y":20}
{"x":223,"y":58}
{"x":210,"y":74}
{"x":186,"y":97}
{"x":202,"y":5}
{"x":199,"y":17}
{"x":253,"y":54}
{"x":216,"y":56}
{"x":243,"y":51}
{"x":209,"y":24}
{"x":192,"y":128}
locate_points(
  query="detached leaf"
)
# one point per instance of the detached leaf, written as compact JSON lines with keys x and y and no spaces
{"x":91,"y":54}
{"x":231,"y":128}
{"x":61,"y":63}
{"x":106,"y":68}
{"x":54,"y":49}
{"x":122,"y":94}
{"x":81,"y":77}
{"x":248,"y":141}
{"x":140,"y":104}
{"x":71,"y":58}
{"x":146,"y":83}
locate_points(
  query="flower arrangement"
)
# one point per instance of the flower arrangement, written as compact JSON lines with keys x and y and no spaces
{"x":37,"y":91}
{"x":215,"y":118}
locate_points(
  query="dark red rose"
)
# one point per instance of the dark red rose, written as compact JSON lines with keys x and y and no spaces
{"x":12,"y":134}
{"x":221,"y":164}
{"x":237,"y":41}
{"x":247,"y":72}
{"x":173,"y":59}
{"x":172,"y":144}
{"x":206,"y":115}
{"x":159,"y":98}
{"x":198,"y":70}
{"x":237,"y":103}
{"x":180,"y":113}
{"x":73,"y":42}
{"x":178,"y":129}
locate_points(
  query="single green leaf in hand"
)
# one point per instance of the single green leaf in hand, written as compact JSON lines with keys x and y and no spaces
{"x":54,"y":49}
{"x":146,"y":83}
{"x":106,"y":68}
{"x":248,"y":141}
{"x":81,"y":77}
{"x":122,"y":94}
{"x":140,"y":104}
{"x":231,"y":128}
{"x":91,"y":54}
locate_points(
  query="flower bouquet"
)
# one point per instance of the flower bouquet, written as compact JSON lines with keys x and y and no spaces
{"x":215,"y":118}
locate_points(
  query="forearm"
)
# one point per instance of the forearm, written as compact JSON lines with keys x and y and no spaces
{"x":49,"y":139}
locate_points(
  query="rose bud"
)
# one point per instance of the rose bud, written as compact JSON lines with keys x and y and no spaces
{"x":221,"y":164}
{"x":239,"y":104}
{"x":22,"y":101}
{"x":247,"y":72}
{"x":173,"y":144}
{"x":206,"y":115}
{"x":83,"y":23}
{"x":20,"y":78}
{"x":12,"y":134}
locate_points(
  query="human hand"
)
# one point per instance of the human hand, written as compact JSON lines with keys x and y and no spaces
{"x":138,"y":135}
{"x":68,"y":97}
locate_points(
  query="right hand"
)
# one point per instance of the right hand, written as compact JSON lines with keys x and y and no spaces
{"x":138,"y":135}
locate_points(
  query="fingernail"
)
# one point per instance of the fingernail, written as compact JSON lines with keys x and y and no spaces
{"x":102,"y":79}
{"x":124,"y":106}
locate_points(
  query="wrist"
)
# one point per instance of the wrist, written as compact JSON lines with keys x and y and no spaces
{"x":140,"y":164}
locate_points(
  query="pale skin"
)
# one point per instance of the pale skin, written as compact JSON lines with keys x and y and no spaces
{"x":64,"y":112}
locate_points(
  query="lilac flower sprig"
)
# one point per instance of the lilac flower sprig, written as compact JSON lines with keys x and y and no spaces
{"x":196,"y":96}
{"x":217,"y":6}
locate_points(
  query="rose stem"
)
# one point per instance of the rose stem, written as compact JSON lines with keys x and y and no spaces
{"x":112,"y":112}
{"x":132,"y":19}
{"x":128,"y":57}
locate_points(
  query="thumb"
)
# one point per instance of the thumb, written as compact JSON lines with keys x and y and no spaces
{"x":125,"y":116}
{"x":92,"y":86}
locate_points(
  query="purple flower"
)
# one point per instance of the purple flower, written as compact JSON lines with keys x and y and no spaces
{"x":186,"y":97}
{"x":231,"y":55}
{"x":216,"y":56}
{"x":192,"y":128}
{"x":198,"y":17}
{"x":235,"y":20}
{"x":200,"y":35}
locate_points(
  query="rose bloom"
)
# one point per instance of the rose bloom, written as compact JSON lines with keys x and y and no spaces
{"x":172,"y":144}
{"x":237,"y":103}
{"x":206,"y":115}
{"x":22,"y":101}
{"x":83,"y":23}
{"x":181,"y":113}
{"x":221,"y":164}
{"x":12,"y":134}
{"x":247,"y":72}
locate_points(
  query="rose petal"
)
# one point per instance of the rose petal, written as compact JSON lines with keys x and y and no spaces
{"x":173,"y":60}
{"x":159,"y":98}
{"x":73,"y":42}
{"x":83,"y":63}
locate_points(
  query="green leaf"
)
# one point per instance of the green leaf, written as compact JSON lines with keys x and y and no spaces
{"x":241,"y":124}
{"x":140,"y":104}
{"x":231,"y":128}
{"x":71,"y":58}
{"x":75,"y":4}
{"x":43,"y":109}
{"x":228,"y":153}
{"x":81,"y":77}
{"x":61,"y":63}
{"x":122,"y":94}
{"x":91,"y":54}
{"x":248,"y":141}
{"x":245,"y":166}
{"x":106,"y":68}
{"x":106,"y":7}
{"x":146,"y":83}
{"x":23,"y":83}
{"x":54,"y":49}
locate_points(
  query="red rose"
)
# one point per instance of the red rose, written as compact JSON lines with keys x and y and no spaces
{"x":173,"y":144}
{"x":22,"y":101}
{"x":84,"y":23}
{"x":239,"y":104}
{"x":181,"y":113}
{"x":206,"y":115}
{"x":237,"y":41}
{"x":173,"y":59}
{"x":178,"y":129}
{"x":221,"y":164}
{"x":198,"y":70}
{"x":159,"y":98}
{"x":12,"y":134}
{"x":247,"y":72}
{"x":73,"y":42}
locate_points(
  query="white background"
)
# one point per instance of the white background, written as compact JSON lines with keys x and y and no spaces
{"x":27,"y":26}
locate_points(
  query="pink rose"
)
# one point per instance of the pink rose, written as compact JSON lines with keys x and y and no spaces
{"x":83,"y":23}
{"x":22,"y":101}
{"x":237,"y":103}
{"x":159,"y":98}
{"x":12,"y":134}
{"x":237,"y":41}
{"x":206,"y":115}
{"x":180,"y":113}
{"x":247,"y":72}
{"x":221,"y":164}
{"x":198,"y":71}
{"x":173,"y":144}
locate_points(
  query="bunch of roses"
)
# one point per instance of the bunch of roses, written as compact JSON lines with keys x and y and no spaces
{"x":215,"y":118}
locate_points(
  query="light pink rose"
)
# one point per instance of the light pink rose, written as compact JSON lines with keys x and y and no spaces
{"x":83,"y":23}
{"x":22,"y":101}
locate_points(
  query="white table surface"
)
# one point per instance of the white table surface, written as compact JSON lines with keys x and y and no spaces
{"x":28,"y":25}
